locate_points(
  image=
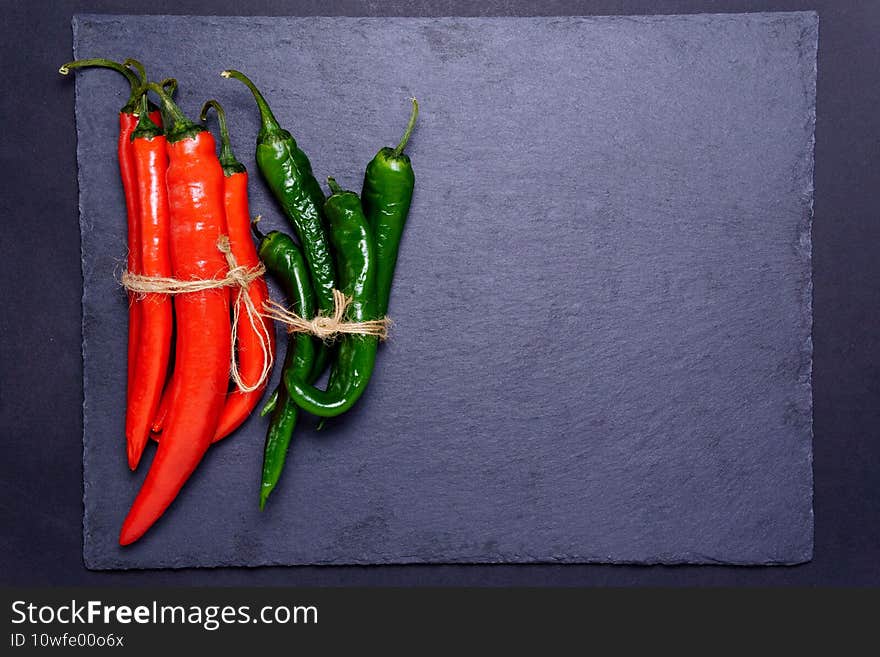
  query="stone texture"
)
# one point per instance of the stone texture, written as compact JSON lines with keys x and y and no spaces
{"x":602,"y":342}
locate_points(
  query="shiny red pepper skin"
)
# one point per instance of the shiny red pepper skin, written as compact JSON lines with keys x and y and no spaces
{"x":153,"y":346}
{"x":239,"y":405}
{"x":127,"y":123}
{"x":203,"y":350}
{"x":128,"y":118}
{"x":125,"y":153}
{"x":251,"y":339}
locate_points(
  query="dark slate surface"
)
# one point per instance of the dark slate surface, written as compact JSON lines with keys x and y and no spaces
{"x":602,"y":342}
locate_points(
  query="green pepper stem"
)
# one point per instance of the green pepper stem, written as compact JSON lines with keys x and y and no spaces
{"x":269,"y":123}
{"x":137,"y":66}
{"x":144,"y":113}
{"x":228,"y":161}
{"x":170,"y":86}
{"x":260,"y":236}
{"x":227,"y":157}
{"x":334,"y":186}
{"x":177,"y":125}
{"x":101,"y":63}
{"x":142,"y":72}
{"x":131,"y":105}
{"x":145,"y":128}
{"x":409,"y":128}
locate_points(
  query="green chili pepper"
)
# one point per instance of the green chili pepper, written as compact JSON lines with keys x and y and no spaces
{"x":272,"y":402}
{"x":285,"y":262}
{"x":288,"y":172}
{"x":387,"y":193}
{"x":356,"y":354}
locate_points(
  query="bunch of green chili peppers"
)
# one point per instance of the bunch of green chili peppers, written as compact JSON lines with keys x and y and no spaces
{"x":346,"y":242}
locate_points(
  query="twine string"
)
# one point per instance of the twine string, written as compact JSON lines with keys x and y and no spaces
{"x":243,"y":277}
{"x":324,"y":327}
{"x":237,"y":276}
{"x":327,"y":327}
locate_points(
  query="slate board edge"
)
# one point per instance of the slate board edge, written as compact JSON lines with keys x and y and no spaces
{"x":74,"y":24}
{"x":85,"y":16}
{"x":475,"y":562}
{"x":808,"y":292}
{"x":811,"y":29}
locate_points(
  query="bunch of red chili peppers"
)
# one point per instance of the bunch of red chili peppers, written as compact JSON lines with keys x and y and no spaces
{"x":184,"y":202}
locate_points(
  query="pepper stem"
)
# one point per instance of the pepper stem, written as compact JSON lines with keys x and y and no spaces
{"x":334,"y":186}
{"x":145,"y":128}
{"x":142,"y":72}
{"x":137,"y":66}
{"x":270,"y":125}
{"x":131,"y":105}
{"x":409,"y":128}
{"x":260,"y":235}
{"x":169,"y":85}
{"x":177,"y":125}
{"x":100,"y":63}
{"x":228,"y":160}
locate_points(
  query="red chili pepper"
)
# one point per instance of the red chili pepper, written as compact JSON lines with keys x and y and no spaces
{"x":251,"y":358}
{"x":255,"y":343}
{"x":128,"y":118}
{"x":203,"y":349}
{"x":162,"y":411}
{"x":156,"y":322}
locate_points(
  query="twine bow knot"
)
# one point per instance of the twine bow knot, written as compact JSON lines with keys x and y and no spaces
{"x":325,"y":327}
{"x":237,"y":276}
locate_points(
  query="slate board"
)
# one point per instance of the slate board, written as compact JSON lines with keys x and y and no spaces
{"x":602,"y":344}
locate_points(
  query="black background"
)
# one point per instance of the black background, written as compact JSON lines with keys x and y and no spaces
{"x":41,"y":382}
